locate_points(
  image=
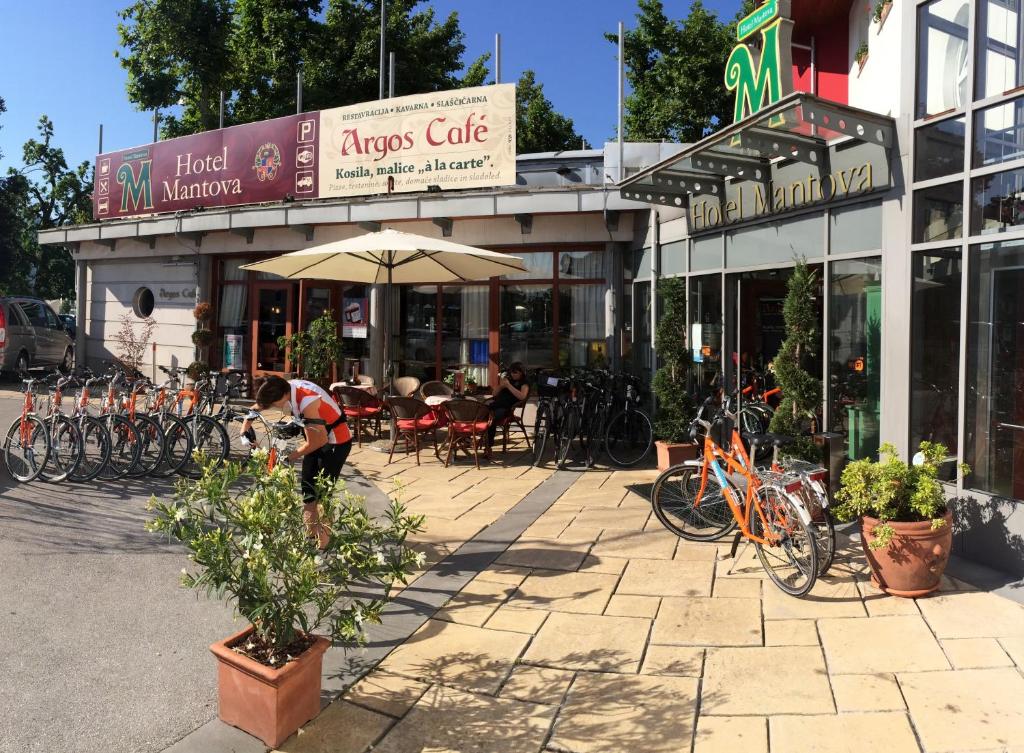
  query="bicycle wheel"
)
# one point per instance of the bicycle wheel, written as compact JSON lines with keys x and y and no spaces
{"x":791,"y":561}
{"x":628,"y":438}
{"x":125,"y":448}
{"x":541,"y":429}
{"x":152,"y":438}
{"x":239,"y":447}
{"x":208,"y":438}
{"x":26,"y":451}
{"x":674,"y":499}
{"x":95,"y":449}
{"x":65,"y":450}
{"x":177,"y":446}
{"x":570,"y":428}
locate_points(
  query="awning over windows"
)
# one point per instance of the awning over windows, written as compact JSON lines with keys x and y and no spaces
{"x":800,"y":128}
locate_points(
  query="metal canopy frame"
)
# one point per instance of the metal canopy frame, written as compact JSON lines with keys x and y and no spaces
{"x":799,"y":127}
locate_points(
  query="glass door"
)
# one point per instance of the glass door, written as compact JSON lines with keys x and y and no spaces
{"x":464,"y":331}
{"x":274,"y":317}
{"x":527,"y":328}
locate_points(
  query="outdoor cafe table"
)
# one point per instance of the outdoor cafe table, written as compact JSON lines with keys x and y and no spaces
{"x":364,"y":387}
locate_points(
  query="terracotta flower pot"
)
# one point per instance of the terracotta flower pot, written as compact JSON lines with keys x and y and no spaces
{"x":913,"y":564}
{"x":270,"y":704}
{"x":672,"y":453}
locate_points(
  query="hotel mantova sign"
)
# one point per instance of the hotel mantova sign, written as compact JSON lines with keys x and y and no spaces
{"x":760,"y":67}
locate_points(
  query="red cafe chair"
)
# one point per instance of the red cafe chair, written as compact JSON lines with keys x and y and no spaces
{"x":468,"y":421}
{"x":412,"y":418}
{"x":361,"y":406}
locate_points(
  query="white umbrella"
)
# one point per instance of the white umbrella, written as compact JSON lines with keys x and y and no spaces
{"x":391,"y":256}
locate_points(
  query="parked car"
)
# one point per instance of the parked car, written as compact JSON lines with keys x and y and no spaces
{"x":69,"y":323}
{"x":31,"y":336}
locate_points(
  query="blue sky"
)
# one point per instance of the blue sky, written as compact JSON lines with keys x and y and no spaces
{"x":57,"y":58}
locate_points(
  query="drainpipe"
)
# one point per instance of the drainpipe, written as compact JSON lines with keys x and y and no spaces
{"x":655,"y":274}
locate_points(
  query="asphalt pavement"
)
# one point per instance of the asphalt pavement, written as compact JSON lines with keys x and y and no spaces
{"x":102,"y":650}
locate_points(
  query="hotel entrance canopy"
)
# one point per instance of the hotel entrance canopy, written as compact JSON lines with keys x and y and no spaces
{"x":800,"y":128}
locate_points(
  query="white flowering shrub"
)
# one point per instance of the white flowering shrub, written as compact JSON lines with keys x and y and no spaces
{"x":247,"y":542}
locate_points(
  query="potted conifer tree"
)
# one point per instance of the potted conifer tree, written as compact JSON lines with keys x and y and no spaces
{"x":675,"y":408}
{"x":247,"y":542}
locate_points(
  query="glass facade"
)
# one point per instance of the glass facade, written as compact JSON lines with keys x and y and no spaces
{"x":942,"y":56}
{"x":999,"y":134}
{"x":994,"y":421}
{"x":705,"y":335}
{"x":997,"y":202}
{"x":938,"y":213}
{"x":935,"y":352}
{"x":997,"y":62}
{"x":939,"y":149}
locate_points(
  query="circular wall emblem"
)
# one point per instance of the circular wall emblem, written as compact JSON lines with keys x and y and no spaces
{"x":268,"y":162}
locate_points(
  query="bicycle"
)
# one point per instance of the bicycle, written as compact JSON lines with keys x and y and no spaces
{"x":95,"y":437}
{"x":177,"y":438}
{"x":151,"y":434}
{"x":629,"y":434}
{"x":193,"y":430}
{"x":233,"y":418}
{"x":760,"y":504}
{"x":545,"y":425}
{"x":125,"y":439}
{"x":27,"y":442}
{"x":66,"y":441}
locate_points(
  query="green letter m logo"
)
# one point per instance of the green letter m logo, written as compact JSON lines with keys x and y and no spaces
{"x":756,"y":83}
{"x":139,"y":190}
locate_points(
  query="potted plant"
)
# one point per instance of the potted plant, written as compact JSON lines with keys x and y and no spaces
{"x":796,"y":415}
{"x":316,"y":350}
{"x":905,"y":520}
{"x":881,"y":12}
{"x":202,"y":338}
{"x":675,"y":407}
{"x":197,"y":370}
{"x":861,"y":56}
{"x":243,"y":527}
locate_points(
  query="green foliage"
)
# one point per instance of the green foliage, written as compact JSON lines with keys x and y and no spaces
{"x":202,"y":338}
{"x":862,"y":53}
{"x":675,"y":70}
{"x":247,"y":542}
{"x":879,"y":9}
{"x":801,"y":391}
{"x":181,"y":54}
{"x":45,"y":193}
{"x":539,"y":127}
{"x":316,"y":349}
{"x":891,"y":490}
{"x":197,"y":370}
{"x":675,"y":406}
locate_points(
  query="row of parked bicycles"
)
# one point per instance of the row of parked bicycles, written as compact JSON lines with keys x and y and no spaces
{"x":120,"y":426}
{"x":590,"y":414}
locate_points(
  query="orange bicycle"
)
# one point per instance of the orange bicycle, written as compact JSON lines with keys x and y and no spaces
{"x":761,"y":504}
{"x":27,"y":444}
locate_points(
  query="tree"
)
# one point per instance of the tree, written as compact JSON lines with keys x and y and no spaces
{"x":185,"y":52}
{"x":675,"y":70}
{"x":177,"y":52}
{"x":539,"y":127}
{"x":46,"y":193}
{"x":801,"y":391}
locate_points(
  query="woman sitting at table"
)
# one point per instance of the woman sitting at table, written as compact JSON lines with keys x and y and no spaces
{"x":512,"y":390}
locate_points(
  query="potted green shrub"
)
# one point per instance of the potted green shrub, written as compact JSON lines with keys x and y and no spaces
{"x":905,"y":519}
{"x":675,"y":408}
{"x":881,"y":12}
{"x":316,"y":350}
{"x":243,"y":527}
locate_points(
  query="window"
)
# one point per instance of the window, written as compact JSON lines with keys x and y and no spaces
{"x":581,"y":341}
{"x":527,"y":327}
{"x":706,"y":253}
{"x":705,"y":335}
{"x":419,"y":331}
{"x":942,"y":56}
{"x":999,"y":133}
{"x":673,"y":258}
{"x":641,"y":351}
{"x":994,"y":418}
{"x":997,"y":202}
{"x":143,"y":303}
{"x":35,"y":314}
{"x":776,"y":242}
{"x":539,"y":266}
{"x":52,"y":322}
{"x":855,"y":368}
{"x":464,"y":333}
{"x":938,"y":213}
{"x":935,"y":352}
{"x":998,"y":63}
{"x":581,"y":265}
{"x":856,"y":228}
{"x":939,"y":149}
{"x":233,"y":315}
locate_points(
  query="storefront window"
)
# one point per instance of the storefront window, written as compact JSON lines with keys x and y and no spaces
{"x":855,"y":368}
{"x":673,"y":258}
{"x":705,"y":335}
{"x":999,"y":133}
{"x":419,"y":331}
{"x":938,"y":213}
{"x":581,"y":341}
{"x":935,"y":352}
{"x":706,"y":253}
{"x":856,"y":228}
{"x":939,"y":149}
{"x":996,"y":202}
{"x":998,"y":62}
{"x":272,"y":322}
{"x":942,"y":81}
{"x":581,"y":265}
{"x":539,"y":266}
{"x":464,"y":333}
{"x":641,"y":352}
{"x":642,"y":263}
{"x":232,"y":315}
{"x":776,"y":242}
{"x":527,"y":325}
{"x":317,"y":303}
{"x":994,"y":422}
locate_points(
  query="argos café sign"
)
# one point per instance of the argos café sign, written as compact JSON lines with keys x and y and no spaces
{"x":455,"y":139}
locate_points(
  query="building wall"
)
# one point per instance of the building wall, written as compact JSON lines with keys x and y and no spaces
{"x":876,"y":88}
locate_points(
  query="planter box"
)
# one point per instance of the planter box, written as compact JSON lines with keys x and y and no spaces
{"x":886,"y":9}
{"x":670,"y":454}
{"x":268,"y":703}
